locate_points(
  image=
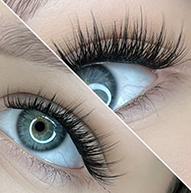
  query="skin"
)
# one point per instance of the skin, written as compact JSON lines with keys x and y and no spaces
{"x":143,"y":171}
{"x":166,"y":129}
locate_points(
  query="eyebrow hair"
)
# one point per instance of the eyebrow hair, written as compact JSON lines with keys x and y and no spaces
{"x":18,"y":41}
{"x":25,"y":9}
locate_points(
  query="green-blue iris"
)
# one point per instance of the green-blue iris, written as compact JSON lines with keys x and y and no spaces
{"x":101,"y":81}
{"x":38,"y":131}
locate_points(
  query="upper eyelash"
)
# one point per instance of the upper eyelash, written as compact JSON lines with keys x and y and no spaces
{"x":153,"y":51}
{"x":88,"y":145}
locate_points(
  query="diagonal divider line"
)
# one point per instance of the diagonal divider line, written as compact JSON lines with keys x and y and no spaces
{"x":133,"y":132}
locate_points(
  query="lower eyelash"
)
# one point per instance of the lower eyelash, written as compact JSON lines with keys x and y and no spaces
{"x":45,"y":172}
{"x":48,"y":174}
{"x":11,"y":153}
{"x":88,"y":145}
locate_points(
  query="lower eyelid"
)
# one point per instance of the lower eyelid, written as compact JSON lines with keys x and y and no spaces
{"x":152,"y":99}
{"x":33,"y":168}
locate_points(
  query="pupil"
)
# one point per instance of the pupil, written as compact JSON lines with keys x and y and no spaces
{"x":40,"y":126}
{"x":38,"y":131}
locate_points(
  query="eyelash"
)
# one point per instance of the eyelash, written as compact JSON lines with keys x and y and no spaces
{"x":153,"y":51}
{"x":86,"y":142}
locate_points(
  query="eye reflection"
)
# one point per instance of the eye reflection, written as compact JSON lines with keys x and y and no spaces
{"x":117,"y":83}
{"x":101,"y":81}
{"x":39,"y":132}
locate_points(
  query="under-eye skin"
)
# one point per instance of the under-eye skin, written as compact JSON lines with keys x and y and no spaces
{"x":130,"y":44}
{"x":52,"y":114}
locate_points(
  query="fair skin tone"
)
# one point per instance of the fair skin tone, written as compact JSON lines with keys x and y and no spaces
{"x":21,"y":171}
{"x":166,"y":129}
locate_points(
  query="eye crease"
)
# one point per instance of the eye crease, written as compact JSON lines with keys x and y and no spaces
{"x":117,"y":52}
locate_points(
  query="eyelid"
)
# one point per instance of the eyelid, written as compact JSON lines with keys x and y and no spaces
{"x":156,"y":98}
{"x":96,"y":120}
{"x":149,"y":49}
{"x":45,"y":172}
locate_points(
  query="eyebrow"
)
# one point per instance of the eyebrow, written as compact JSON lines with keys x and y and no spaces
{"x":25,"y":9}
{"x":18,"y":41}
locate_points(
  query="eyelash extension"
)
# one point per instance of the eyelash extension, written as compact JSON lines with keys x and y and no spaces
{"x":124,"y":45}
{"x":86,"y":142}
{"x":177,"y":186}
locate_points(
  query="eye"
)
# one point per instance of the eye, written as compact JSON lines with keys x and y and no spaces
{"x":120,"y":64}
{"x":116,"y":83}
{"x":54,"y":134}
{"x":42,"y":135}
